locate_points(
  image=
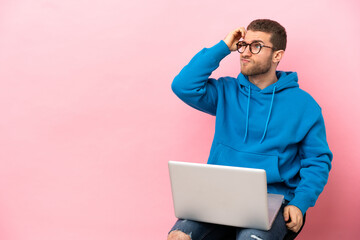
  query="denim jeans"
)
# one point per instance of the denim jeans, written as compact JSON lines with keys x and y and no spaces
{"x":208,"y":231}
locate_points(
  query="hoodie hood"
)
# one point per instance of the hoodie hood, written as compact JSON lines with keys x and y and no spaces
{"x":285,"y":80}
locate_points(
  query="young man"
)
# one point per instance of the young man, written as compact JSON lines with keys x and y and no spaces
{"x":263,"y":120}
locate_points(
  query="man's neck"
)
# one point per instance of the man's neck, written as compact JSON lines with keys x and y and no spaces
{"x":264,"y":80}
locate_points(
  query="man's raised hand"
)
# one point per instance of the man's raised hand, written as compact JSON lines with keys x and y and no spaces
{"x":233,"y":37}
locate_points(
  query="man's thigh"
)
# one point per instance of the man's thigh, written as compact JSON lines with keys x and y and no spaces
{"x":278,"y":230}
{"x":203,"y":231}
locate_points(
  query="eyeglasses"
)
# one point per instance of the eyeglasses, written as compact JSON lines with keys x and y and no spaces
{"x":255,"y":47}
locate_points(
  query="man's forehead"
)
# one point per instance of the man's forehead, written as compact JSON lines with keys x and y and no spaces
{"x":257,"y":36}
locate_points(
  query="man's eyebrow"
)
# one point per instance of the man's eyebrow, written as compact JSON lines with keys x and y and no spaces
{"x":255,"y":41}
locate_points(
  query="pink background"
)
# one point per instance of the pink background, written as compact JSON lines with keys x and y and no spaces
{"x":88,"y":120}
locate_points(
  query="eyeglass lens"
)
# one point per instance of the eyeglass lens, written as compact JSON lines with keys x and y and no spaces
{"x":255,"y":47}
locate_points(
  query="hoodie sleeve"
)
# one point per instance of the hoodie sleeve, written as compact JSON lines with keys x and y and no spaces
{"x":193,"y":85}
{"x":316,"y":160}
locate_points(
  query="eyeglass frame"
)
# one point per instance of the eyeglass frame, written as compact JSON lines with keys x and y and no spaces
{"x":249,"y":44}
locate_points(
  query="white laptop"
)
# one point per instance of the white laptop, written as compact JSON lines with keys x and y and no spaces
{"x":232,"y":196}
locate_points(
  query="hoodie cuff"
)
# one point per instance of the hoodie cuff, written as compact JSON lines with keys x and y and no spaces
{"x":220,"y":50}
{"x":302,"y":202}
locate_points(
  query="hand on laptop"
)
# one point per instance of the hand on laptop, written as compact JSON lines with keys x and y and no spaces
{"x":293,"y":218}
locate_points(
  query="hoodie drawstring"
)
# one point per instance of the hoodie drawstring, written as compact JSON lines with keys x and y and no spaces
{"x":268,"y":119}
{"x":247,"y":115}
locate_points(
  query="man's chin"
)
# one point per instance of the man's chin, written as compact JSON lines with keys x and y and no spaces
{"x":244,"y":72}
{"x":253,"y":72}
{"x":247,"y":70}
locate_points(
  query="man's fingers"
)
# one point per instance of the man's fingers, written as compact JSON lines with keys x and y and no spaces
{"x":239,"y":33}
{"x":233,"y":37}
{"x":295,"y":224}
{"x":243,"y":32}
{"x":291,"y":224}
{"x":294,"y":215}
{"x":286,"y":214}
{"x":300,"y":223}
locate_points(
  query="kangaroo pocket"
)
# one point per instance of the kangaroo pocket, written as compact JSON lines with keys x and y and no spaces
{"x":224,"y":155}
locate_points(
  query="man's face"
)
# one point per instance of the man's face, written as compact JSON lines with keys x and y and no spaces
{"x":256,"y":64}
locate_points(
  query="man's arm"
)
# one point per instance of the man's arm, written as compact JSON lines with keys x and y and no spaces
{"x":316,"y":160}
{"x":193,"y":85}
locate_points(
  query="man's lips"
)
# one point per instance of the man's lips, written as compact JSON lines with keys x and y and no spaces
{"x":244,"y":60}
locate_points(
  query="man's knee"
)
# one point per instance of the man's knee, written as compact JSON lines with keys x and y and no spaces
{"x":253,"y":235}
{"x":178,"y":235}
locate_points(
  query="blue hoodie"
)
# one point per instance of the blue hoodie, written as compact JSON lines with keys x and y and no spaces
{"x":279,"y":128}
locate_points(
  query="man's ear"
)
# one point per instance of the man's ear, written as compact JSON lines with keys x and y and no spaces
{"x":278,"y":56}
